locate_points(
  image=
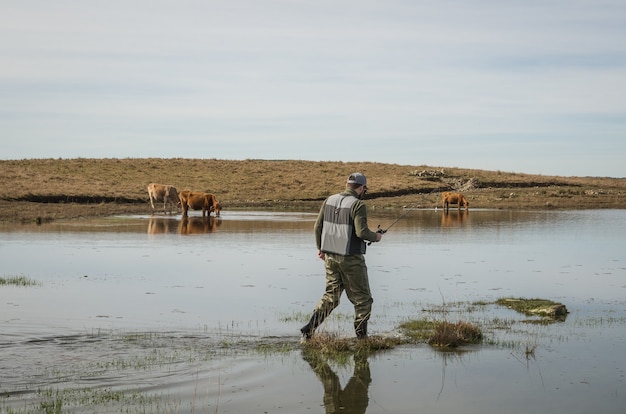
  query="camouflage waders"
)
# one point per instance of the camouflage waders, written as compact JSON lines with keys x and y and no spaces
{"x":347,"y":273}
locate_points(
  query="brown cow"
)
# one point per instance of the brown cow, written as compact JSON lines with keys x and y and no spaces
{"x":199,"y":201}
{"x":162,"y":192}
{"x":217,"y":207}
{"x":459,"y":199}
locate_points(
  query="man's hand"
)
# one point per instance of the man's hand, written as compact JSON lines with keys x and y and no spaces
{"x":321,"y":254}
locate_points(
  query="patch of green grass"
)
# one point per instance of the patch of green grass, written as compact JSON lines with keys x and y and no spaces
{"x":55,"y":400}
{"x":418,"y":329}
{"x":267,"y":348}
{"x":303,"y":317}
{"x":535,"y":307}
{"x":18,"y":281}
{"x":297,"y":316}
{"x":480,"y":303}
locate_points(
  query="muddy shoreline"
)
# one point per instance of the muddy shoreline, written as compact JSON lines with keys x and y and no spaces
{"x":28,"y":212}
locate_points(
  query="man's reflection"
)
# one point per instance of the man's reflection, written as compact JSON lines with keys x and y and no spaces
{"x":350,"y":400}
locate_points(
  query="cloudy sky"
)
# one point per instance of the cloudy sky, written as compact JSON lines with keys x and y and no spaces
{"x":531,"y":86}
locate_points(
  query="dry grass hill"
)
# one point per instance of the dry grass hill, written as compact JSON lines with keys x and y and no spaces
{"x":48,"y":189}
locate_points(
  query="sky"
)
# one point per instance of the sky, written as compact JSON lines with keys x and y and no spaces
{"x":526,"y":86}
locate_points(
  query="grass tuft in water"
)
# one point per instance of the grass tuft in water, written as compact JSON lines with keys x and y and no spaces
{"x":452,"y":335}
{"x":535,"y":307}
{"x":18,"y":281}
{"x":442,"y":333}
{"x":341,"y":348}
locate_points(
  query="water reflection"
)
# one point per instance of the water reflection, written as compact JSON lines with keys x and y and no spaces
{"x":157,"y":225}
{"x":351,"y":399}
{"x":255,"y":275}
{"x":198,"y":225}
{"x":187,"y":225}
{"x":454,"y":219}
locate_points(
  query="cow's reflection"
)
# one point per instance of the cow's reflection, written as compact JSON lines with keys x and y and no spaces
{"x":452,"y":219}
{"x":198,"y":225}
{"x":353,"y":398}
{"x":157,"y":225}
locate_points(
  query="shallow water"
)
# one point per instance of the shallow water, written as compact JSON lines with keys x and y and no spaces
{"x":175,"y":311}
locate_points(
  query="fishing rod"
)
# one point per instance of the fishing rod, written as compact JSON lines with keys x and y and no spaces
{"x":383,"y":231}
{"x":408,"y":210}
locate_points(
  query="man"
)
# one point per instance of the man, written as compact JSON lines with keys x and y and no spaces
{"x":340,"y":233}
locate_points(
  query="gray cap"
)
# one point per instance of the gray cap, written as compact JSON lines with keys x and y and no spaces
{"x":357,"y":178}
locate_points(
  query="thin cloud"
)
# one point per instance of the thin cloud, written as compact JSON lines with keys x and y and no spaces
{"x":525,"y":86}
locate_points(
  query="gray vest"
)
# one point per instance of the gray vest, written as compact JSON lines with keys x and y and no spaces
{"x":338,"y":235}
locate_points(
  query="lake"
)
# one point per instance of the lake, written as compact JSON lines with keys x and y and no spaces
{"x":158,"y":314}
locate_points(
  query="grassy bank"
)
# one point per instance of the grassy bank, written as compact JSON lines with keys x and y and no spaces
{"x":48,"y":189}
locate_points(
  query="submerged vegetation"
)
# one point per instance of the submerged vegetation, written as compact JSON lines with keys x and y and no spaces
{"x":18,"y":281}
{"x":137,"y":354}
{"x":441,"y":333}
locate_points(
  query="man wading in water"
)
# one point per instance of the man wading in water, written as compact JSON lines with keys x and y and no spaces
{"x":340,"y":233}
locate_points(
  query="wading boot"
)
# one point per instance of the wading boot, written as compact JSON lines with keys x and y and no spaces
{"x":307,"y":330}
{"x":361,"y":330}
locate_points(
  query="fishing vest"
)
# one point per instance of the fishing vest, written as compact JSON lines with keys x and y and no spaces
{"x":338,"y":235}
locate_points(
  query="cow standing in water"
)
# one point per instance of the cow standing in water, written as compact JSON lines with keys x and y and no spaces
{"x":162,"y":192}
{"x":459,"y":199}
{"x":199,"y":201}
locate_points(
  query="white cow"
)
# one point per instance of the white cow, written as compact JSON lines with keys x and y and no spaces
{"x":162,"y":192}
